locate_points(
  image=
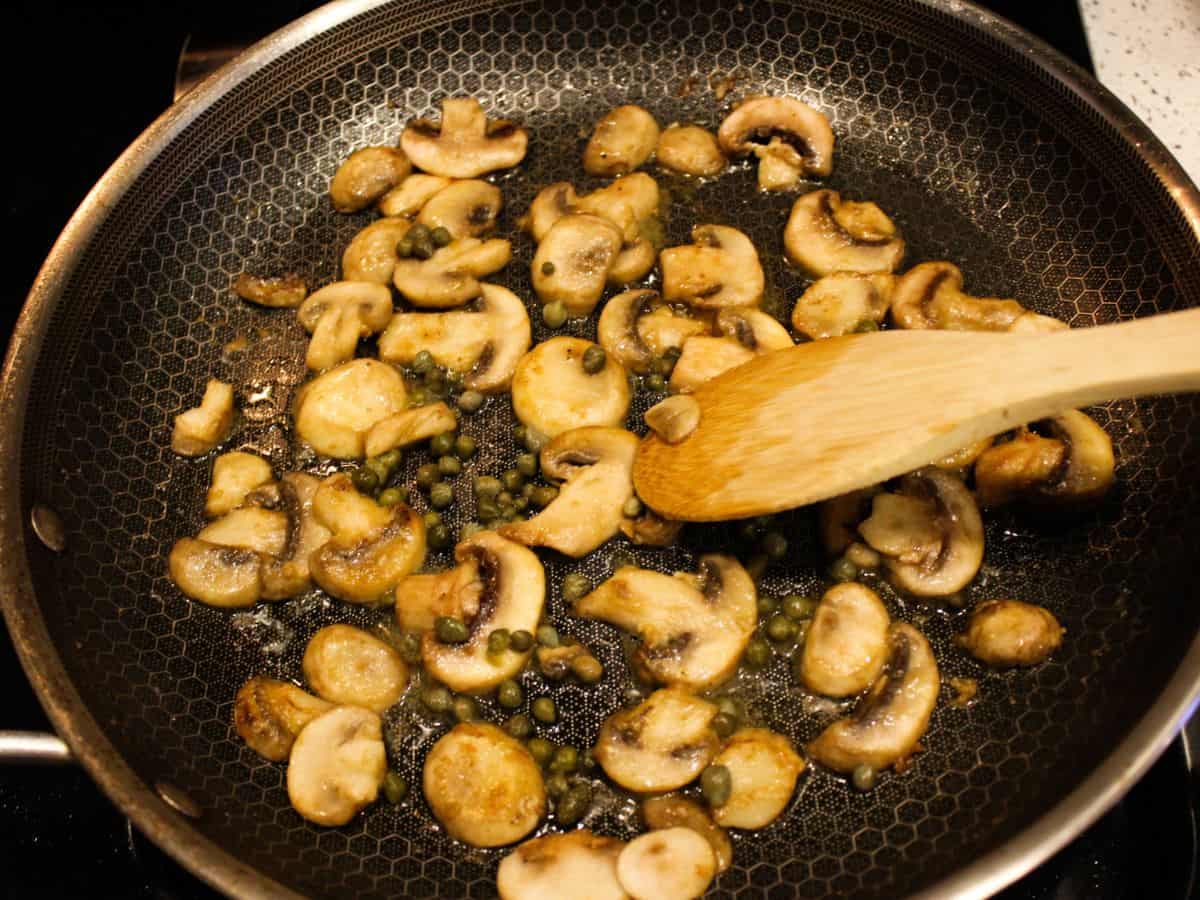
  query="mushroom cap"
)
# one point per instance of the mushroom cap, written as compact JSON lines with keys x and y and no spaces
{"x":1090,"y":462}
{"x":279,"y":292}
{"x":268,"y":714}
{"x":719,"y":268}
{"x":760,"y":119}
{"x":837,"y":304}
{"x":365,"y":176}
{"x":288,"y":574}
{"x":335,"y":410}
{"x":825,"y":234}
{"x":450,"y":277}
{"x":552,"y":393}
{"x":846,"y":645}
{"x":464,"y":208}
{"x":618,"y":333}
{"x":371,"y":254}
{"x":407,"y":198}
{"x":1006,"y":633}
{"x":551,"y":866}
{"x":621,"y":141}
{"x":763,"y":769}
{"x":690,"y":150}
{"x":572,"y":262}
{"x":348,"y":666}
{"x":464,"y":144}
{"x":337,"y":765}
{"x":338,"y":315}
{"x":930,"y":295}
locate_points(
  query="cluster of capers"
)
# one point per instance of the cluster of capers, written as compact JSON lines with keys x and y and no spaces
{"x":769,"y":544}
{"x":438,"y":699}
{"x":505,"y":498}
{"x":373,"y":475}
{"x":715,"y":781}
{"x":406,"y":643}
{"x":421,"y":241}
{"x":782,"y":621}
{"x":561,"y":656}
{"x":430,"y":382}
{"x":661,"y":369}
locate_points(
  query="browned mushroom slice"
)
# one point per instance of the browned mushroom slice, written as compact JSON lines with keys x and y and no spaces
{"x":421,"y":599}
{"x":450,"y":276}
{"x":202,"y":428}
{"x":216,"y":575}
{"x":659,"y":745}
{"x":348,"y":666}
{"x":618,"y":333}
{"x":963,"y":458}
{"x":891,"y":718}
{"x":287,"y":574}
{"x":668,"y":327}
{"x":284,"y":291}
{"x":410,"y":427}
{"x":930,"y":295}
{"x":371,"y":254}
{"x":1014,"y":468}
{"x":1089,"y":464}
{"x":572,"y":262}
{"x":622,"y":140}
{"x":367,"y":175}
{"x":338,"y":316}
{"x":667,"y":864}
{"x":719,"y":268}
{"x":464,"y":208}
{"x":825,"y":234}
{"x":649,"y":529}
{"x":337,"y":765}
{"x":335,"y":411}
{"x":788,"y":123}
{"x":577,"y":865}
{"x":674,"y":418}
{"x":632,"y":204}
{"x":234,"y":475}
{"x":552,"y":392}
{"x":407,"y":198}
{"x":690,"y":150}
{"x":744,"y":333}
{"x":763,"y":769}
{"x":839,"y":519}
{"x":676,"y":811}
{"x":846,"y":643}
{"x":1005,"y":633}
{"x":268,"y":714}
{"x":841,"y":303}
{"x":464,"y":144}
{"x":551,"y":203}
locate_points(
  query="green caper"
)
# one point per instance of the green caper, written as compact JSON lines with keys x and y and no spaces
{"x":574,"y":804}
{"x":575,"y":586}
{"x":534,"y":440}
{"x":729,"y":707}
{"x":565,"y":760}
{"x":404,"y":247}
{"x":587,"y":668}
{"x":418,"y":396}
{"x":419,"y":231}
{"x":544,"y":710}
{"x":716,"y":785}
{"x":470,"y":530}
{"x":509,"y":694}
{"x":466,"y":709}
{"x":796,"y":607}
{"x":543,"y":495}
{"x":541,"y":750}
{"x":594,"y":359}
{"x":441,"y":236}
{"x":464,"y":446}
{"x":655,"y":382}
{"x":547,"y":636}
{"x":470,"y":401}
{"x":422,"y":362}
{"x":554,"y":314}
{"x":527,"y":489}
{"x":364,"y":480}
{"x":527,"y":464}
{"x":379,"y":469}
{"x":391,"y":458}
{"x":393,"y":496}
{"x":438,"y":536}
{"x":498,"y":641}
{"x":487,"y":486}
{"x":450,"y":630}
{"x":632,"y":508}
{"x":520,"y":641}
{"x":724,"y":725}
{"x":557,"y":785}
{"x":519,"y":432}
{"x":663,"y":366}
{"x":548,"y":268}
{"x":780,"y":628}
{"x":431,"y":518}
{"x":436,"y":698}
{"x":435,"y":380}
{"x":427,"y":476}
{"x":864,"y":777}
{"x":519,"y":727}
{"x":422,"y":247}
{"x":505,"y":500}
{"x":866,"y":326}
{"x":841,"y":569}
{"x":441,"y":495}
{"x":521,"y":504}
{"x":758,"y":652}
{"x":449,"y":465}
{"x":487,"y":509}
{"x":409,"y":647}
{"x":395,"y":788}
{"x":512,"y":480}
{"x":767,"y":605}
{"x":775,"y":545}
{"x":441,"y":444}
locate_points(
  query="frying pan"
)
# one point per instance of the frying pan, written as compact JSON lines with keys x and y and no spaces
{"x":989,"y":149}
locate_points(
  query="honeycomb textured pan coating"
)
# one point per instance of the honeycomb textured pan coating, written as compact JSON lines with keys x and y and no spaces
{"x":978,"y":160}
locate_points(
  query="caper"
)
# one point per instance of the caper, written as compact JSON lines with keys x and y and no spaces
{"x":436,"y":698}
{"x":521,"y":504}
{"x":422,"y":247}
{"x":449,"y":465}
{"x":466,"y":709}
{"x":519,"y":432}
{"x":548,"y":268}
{"x":544,"y":710}
{"x":775,"y":545}
{"x":758,"y":652}
{"x":594,"y":359}
{"x":393,"y":496}
{"x":575,"y":586}
{"x":464,"y":446}
{"x":422,"y":362}
{"x":841,"y":569}
{"x":404,"y":247}
{"x":435,"y":380}
{"x":781,"y":628}
{"x":441,"y":444}
{"x":450,"y":630}
{"x":565,"y":760}
{"x":438,"y":536}
{"x":587,"y":668}
{"x":512,"y":480}
{"x":547,"y":636}
{"x":574,"y":804}
{"x":509,"y":694}
{"x":554,"y":314}
{"x":557,"y":785}
{"x":724,"y":725}
{"x":527,"y":489}
{"x":395,"y":788}
{"x":428,"y":475}
{"x":796,"y":607}
{"x":632,"y":508}
{"x":364,"y":480}
{"x":655,"y":382}
{"x":379,"y":469}
{"x":518,"y":726}
{"x":441,"y":495}
{"x":441,"y":236}
{"x":864,"y":777}
{"x":866,"y":326}
{"x":487,"y":486}
{"x":527,"y":464}
{"x":534,"y":440}
{"x":470,"y":401}
{"x":487,"y":509}
{"x":505,"y":500}
{"x":470,"y":530}
{"x":716,"y":784}
{"x":543,"y":495}
{"x":391,"y":458}
{"x":767,"y":604}
{"x":541,"y":750}
{"x":498,"y":641}
{"x":431,"y":518}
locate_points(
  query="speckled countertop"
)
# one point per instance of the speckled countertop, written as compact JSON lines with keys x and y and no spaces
{"x":1147,"y":52}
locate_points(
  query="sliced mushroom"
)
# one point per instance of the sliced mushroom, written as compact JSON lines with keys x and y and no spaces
{"x":1014,"y":469}
{"x":486,"y":344}
{"x":841,"y":303}
{"x":249,"y":528}
{"x":577,"y":865}
{"x":674,"y":811}
{"x":216,"y":575}
{"x":1089,"y":464}
{"x":337,"y":765}
{"x":930,"y":295}
{"x":693,"y":628}
{"x":464,"y":208}
{"x":690,"y":150}
{"x":632,"y":204}
{"x":659,"y":745}
{"x":780,"y":167}
{"x":572,"y":262}
{"x":464,"y":144}
{"x":674,"y":419}
{"x":756,"y":123}
{"x":839,"y":519}
{"x":595,"y":465}
{"x":507,"y":592}
{"x":372,"y":546}
{"x":371,"y":254}
{"x":338,"y":316}
{"x":365,"y":176}
{"x":268,"y":714}
{"x":1007,"y":633}
{"x":285,"y":291}
{"x":963,"y":458}
{"x":890,"y":719}
{"x":234,"y":475}
{"x":450,"y":276}
{"x":649,"y":529}
{"x":347,"y":666}
{"x":552,"y":392}
{"x":825,"y":234}
{"x":410,"y":427}
{"x":407,"y":198}
{"x":421,"y":599}
{"x":551,"y":203}
{"x":335,"y":410}
{"x":483,"y":786}
{"x":668,"y":864}
{"x":287,"y":574}
{"x":617,"y":330}
{"x":763,"y":769}
{"x":929,"y":533}
{"x":847,"y":643}
{"x":743,"y":334}
{"x":200,"y":429}
{"x":668,"y":327}
{"x":622,"y":140}
{"x":719,"y":268}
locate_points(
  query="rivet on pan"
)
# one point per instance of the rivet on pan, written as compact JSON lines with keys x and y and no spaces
{"x":176,"y":799}
{"x":48,"y":527}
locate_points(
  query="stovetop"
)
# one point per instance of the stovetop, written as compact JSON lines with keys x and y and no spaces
{"x":89,"y":79}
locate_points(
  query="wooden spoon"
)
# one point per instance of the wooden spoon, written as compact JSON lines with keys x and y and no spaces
{"x":814,"y":421}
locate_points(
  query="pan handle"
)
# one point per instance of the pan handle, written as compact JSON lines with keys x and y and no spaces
{"x":33,"y":748}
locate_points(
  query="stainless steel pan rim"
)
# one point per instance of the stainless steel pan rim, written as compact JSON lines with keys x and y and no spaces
{"x":1127,"y":762}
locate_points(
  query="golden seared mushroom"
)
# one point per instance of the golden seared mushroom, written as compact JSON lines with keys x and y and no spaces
{"x":659,"y":745}
{"x":551,"y":203}
{"x":483,"y":786}
{"x":284,"y":291}
{"x":930,"y":295}
{"x":234,"y":475}
{"x":622,"y":140}
{"x":215,"y":575}
{"x":268,"y":714}
{"x":674,"y":811}
{"x":963,"y":458}
{"x":337,"y":765}
{"x":578,"y":865}
{"x":349,"y":667}
{"x":420,"y":600}
{"x":890,"y":719}
{"x":287,"y":574}
{"x":667,"y":327}
{"x":365,"y":176}
{"x":846,"y":643}
{"x":928,"y":532}
{"x":566,"y":383}
{"x":372,"y":548}
{"x":690,"y":150}
{"x":790,"y":138}
{"x":693,"y":628}
{"x":1013,"y":469}
{"x":763,"y":768}
{"x":335,"y":411}
{"x":410,"y":427}
{"x":464,"y":144}
{"x":841,"y":303}
{"x":1006,"y":633}
{"x":572,"y":262}
{"x":450,"y":276}
{"x":407,"y":198}
{"x":674,"y":419}
{"x":253,"y":528}
{"x":720,"y":268}
{"x":485,"y":342}
{"x":649,"y":529}
{"x":464,"y":208}
{"x":632,"y":204}
{"x":371,"y":254}
{"x":742,"y":334}
{"x":825,"y":234}
{"x":338,"y":316}
{"x":595,"y":467}
{"x":499,"y":585}
{"x":617,"y":330}
{"x":668,"y":864}
{"x":202,"y":428}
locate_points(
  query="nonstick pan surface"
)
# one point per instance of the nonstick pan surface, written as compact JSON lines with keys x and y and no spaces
{"x":989,"y":150}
